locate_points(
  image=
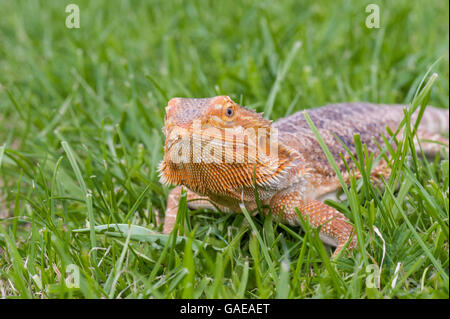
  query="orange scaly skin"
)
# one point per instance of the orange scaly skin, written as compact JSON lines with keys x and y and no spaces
{"x":296,"y":175}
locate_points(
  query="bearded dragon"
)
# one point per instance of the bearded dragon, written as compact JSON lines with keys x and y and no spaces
{"x":210,"y":150}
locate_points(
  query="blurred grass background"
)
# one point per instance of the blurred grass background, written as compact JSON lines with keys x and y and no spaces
{"x":103,"y":88}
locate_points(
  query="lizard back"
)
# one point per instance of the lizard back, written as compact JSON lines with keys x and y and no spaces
{"x":344,"y":120}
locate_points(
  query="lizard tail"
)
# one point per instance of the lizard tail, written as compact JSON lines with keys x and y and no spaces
{"x":433,"y":128}
{"x":435,"y":121}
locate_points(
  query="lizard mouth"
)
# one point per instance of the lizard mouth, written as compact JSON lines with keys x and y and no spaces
{"x":211,"y":144}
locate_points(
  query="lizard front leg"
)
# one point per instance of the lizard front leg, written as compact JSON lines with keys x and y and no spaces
{"x":194,"y":201}
{"x":335,"y":230}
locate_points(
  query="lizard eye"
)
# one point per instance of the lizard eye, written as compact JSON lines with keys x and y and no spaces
{"x":229,"y":112}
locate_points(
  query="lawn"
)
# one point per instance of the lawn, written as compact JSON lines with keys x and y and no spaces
{"x":81,"y":112}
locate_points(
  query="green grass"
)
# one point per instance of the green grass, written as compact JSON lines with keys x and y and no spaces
{"x":81,"y":112}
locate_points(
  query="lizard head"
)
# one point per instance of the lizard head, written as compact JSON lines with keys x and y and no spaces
{"x":214,"y":144}
{"x":220,"y":112}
